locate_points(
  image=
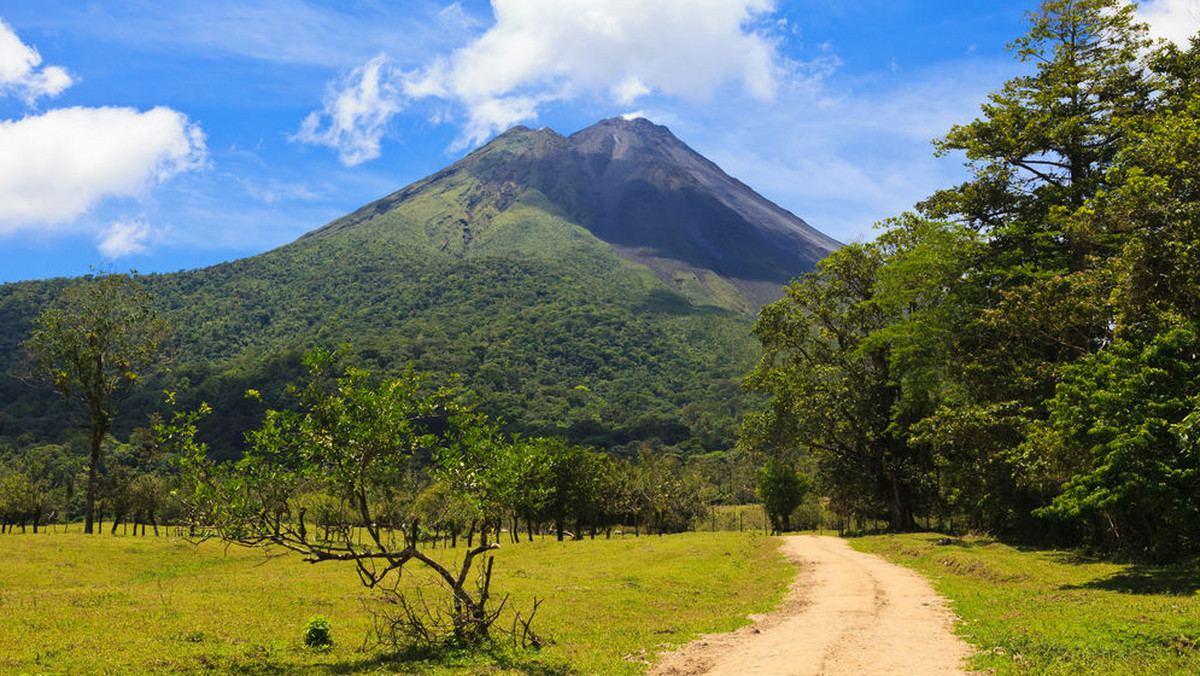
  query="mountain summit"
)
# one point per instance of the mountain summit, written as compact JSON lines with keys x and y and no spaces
{"x":630,"y":183}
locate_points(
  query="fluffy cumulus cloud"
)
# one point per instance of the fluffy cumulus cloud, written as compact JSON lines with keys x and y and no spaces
{"x":58,"y":165}
{"x":545,"y":50}
{"x":124,"y":238}
{"x":356,"y":112}
{"x":21,"y":71}
{"x":1176,"y":20}
{"x":542,"y":51}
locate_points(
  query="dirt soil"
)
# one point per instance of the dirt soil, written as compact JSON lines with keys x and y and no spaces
{"x":847,"y":613}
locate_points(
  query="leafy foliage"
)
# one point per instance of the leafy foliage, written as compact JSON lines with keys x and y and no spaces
{"x":92,"y":348}
{"x":353,"y":442}
{"x":570,"y":342}
{"x":318,"y":633}
{"x":1019,"y":356}
{"x":781,"y":489}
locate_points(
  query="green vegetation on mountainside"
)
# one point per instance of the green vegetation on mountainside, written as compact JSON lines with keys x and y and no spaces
{"x":555,"y":333}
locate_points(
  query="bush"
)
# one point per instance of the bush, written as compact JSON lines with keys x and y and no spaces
{"x":318,"y":633}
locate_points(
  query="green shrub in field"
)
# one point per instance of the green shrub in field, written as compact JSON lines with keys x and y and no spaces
{"x":318,"y":633}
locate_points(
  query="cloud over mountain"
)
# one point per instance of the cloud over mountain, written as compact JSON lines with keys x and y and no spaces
{"x":539,"y":52}
{"x":356,"y":112}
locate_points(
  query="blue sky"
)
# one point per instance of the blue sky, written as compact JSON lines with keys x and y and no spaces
{"x":174,"y":135}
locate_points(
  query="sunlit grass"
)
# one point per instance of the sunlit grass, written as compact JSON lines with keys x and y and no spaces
{"x":72,"y":604}
{"x":1033,"y":612}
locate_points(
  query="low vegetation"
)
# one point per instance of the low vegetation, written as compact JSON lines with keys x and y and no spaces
{"x":1055,"y":613}
{"x":92,"y":605}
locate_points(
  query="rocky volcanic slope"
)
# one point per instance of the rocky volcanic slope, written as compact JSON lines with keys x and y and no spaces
{"x":633,"y":185}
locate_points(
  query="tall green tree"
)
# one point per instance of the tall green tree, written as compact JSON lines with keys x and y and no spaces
{"x":1043,"y":147}
{"x":1125,"y":419}
{"x":1038,"y":295}
{"x":781,"y":488}
{"x":1045,"y":139}
{"x":92,"y":347}
{"x":834,"y":390}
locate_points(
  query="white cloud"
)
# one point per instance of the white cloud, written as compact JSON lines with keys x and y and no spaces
{"x":543,"y":51}
{"x":356,"y":113}
{"x":124,"y":238}
{"x":20,"y":74}
{"x":548,"y":50}
{"x":274,"y":191}
{"x":1175,"y":20}
{"x":58,"y":165}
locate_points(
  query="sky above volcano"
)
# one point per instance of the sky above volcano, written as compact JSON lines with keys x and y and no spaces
{"x":174,"y":135}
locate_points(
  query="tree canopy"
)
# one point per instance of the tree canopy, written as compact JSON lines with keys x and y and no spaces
{"x":92,"y":348}
{"x":1018,"y":355}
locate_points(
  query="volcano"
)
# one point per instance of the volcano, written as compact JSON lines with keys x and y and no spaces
{"x":600,"y":286}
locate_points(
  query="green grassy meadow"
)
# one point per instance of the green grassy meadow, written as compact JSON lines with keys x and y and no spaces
{"x":1051,"y":613}
{"x":71,"y":604}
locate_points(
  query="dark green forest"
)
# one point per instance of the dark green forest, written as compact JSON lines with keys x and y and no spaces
{"x":1018,"y":355}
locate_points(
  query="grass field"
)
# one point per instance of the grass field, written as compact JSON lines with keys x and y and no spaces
{"x":1032,"y":612}
{"x":71,"y":604}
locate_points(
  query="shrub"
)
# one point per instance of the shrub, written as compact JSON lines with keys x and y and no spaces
{"x":318,"y":633}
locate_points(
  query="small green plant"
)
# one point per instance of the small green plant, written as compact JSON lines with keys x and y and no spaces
{"x":318,"y":633}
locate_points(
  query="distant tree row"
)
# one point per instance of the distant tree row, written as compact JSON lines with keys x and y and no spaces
{"x":1022,"y":354}
{"x":45,"y":485}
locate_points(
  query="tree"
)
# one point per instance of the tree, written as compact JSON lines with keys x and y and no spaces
{"x":92,"y":347}
{"x":1041,"y":150}
{"x":1126,"y":423}
{"x":834,"y":388}
{"x":1037,"y":296}
{"x":355,"y":443}
{"x":1045,"y":139}
{"x":1124,"y":420}
{"x":781,"y":489}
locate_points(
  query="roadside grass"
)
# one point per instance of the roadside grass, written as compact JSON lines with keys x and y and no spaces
{"x":1035,"y":612}
{"x":75,"y":604}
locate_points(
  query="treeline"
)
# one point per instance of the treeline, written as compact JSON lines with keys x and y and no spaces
{"x":44,"y":485}
{"x":556,"y":488}
{"x":1020,"y":354}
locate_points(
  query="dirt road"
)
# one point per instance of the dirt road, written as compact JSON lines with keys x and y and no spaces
{"x":847,"y":613}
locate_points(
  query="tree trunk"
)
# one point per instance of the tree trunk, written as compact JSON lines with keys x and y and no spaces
{"x":93,"y":468}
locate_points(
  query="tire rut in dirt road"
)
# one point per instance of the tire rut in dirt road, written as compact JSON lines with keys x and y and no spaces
{"x":847,"y":613}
